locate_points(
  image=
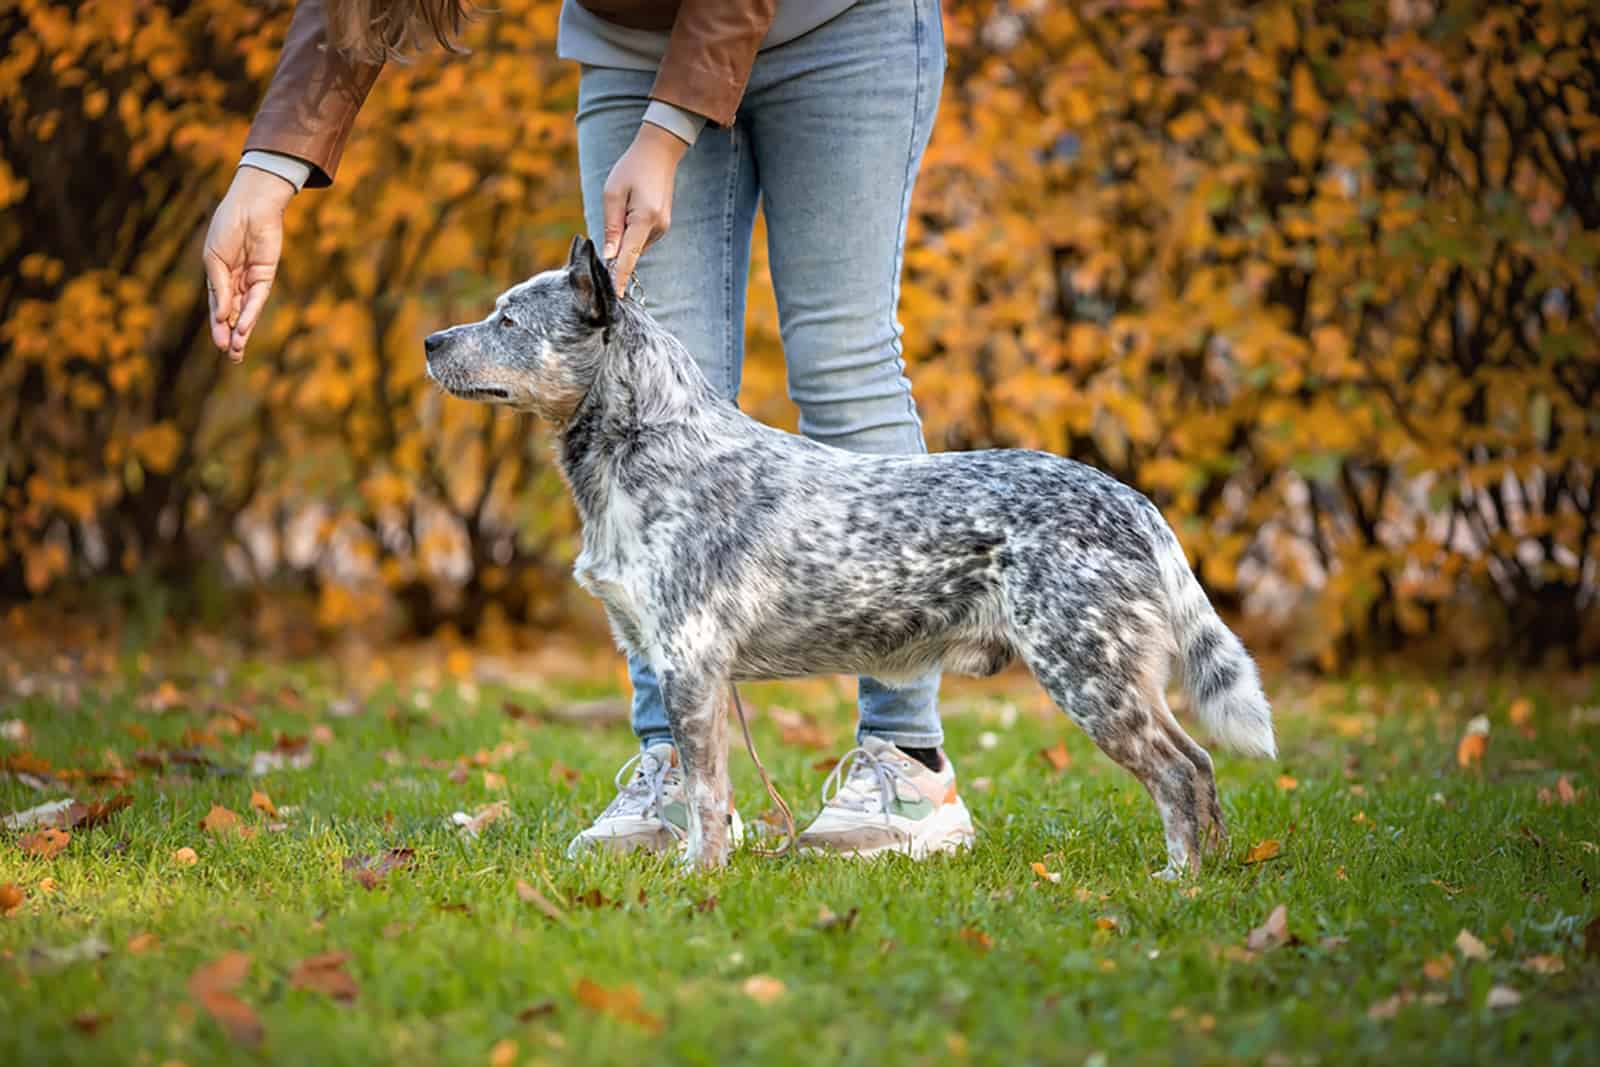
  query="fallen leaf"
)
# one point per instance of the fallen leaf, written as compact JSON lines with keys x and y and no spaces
{"x":368,"y":871}
{"x":1106,"y":922}
{"x":322,"y":734}
{"x":48,"y":814}
{"x":621,"y":1003}
{"x":1439,"y":967}
{"x":1521,"y":711}
{"x":185,"y":857}
{"x":825,"y":764}
{"x":535,"y":1010}
{"x":530,"y":895}
{"x":1565,"y":793}
{"x":1057,"y":756}
{"x":1502,"y":996}
{"x":976,"y":938}
{"x":1389,"y":1007}
{"x":213,"y":986}
{"x":46,"y":844}
{"x":263,"y":803}
{"x":89,"y":1021}
{"x":1262,"y":851}
{"x":472,"y":825}
{"x":47,"y":886}
{"x":1287,"y":782}
{"x":1048,"y":875}
{"x":11,"y":898}
{"x":139,"y":944}
{"x":325,"y":973}
{"x":1471,"y":948}
{"x":219,"y":820}
{"x":762,"y":988}
{"x":1474,"y":742}
{"x":1544,"y":964}
{"x":1271,"y":934}
{"x":827,"y":920}
{"x":494,"y":782}
{"x":503,"y":1053}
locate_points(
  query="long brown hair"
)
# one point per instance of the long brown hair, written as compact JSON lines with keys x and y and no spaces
{"x":374,"y":31}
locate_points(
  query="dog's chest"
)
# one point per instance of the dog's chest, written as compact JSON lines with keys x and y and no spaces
{"x":615,"y":565}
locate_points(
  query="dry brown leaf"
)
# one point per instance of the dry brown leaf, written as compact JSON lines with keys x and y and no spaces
{"x":185,"y":857}
{"x":260,"y":801}
{"x":537,"y":1009}
{"x":213,"y":986}
{"x":530,"y":895}
{"x":1565,"y":793}
{"x":1057,"y":756}
{"x":89,"y":1021}
{"x":1262,"y":851}
{"x":1502,"y":996}
{"x":561,"y":774}
{"x":1288,"y":782}
{"x":1106,"y":922}
{"x":827,"y":920}
{"x":82,"y":816}
{"x":1271,"y":934}
{"x":1389,"y":1007}
{"x":47,"y":886}
{"x":1043,"y":872}
{"x":139,"y":944}
{"x":621,"y":1003}
{"x":325,"y":973}
{"x":503,"y":1053}
{"x":763,"y":988}
{"x":1474,"y":743}
{"x":976,"y":938}
{"x":219,"y":820}
{"x":369,"y":871}
{"x":11,"y":898}
{"x":494,"y":781}
{"x":1439,"y":967}
{"x":1470,"y":947}
{"x":46,"y":844}
{"x":1544,"y":964}
{"x":1521,"y":711}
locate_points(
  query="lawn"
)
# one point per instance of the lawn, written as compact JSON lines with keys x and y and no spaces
{"x":1048,"y":943}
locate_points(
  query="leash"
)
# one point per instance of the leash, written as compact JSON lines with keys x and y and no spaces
{"x":777,"y":797}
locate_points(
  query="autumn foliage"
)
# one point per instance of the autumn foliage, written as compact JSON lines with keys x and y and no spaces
{"x":1320,"y":279}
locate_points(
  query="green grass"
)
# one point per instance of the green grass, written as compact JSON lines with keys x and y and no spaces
{"x":1386,"y":844}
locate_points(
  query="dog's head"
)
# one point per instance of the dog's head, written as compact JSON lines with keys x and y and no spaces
{"x":539,"y":349}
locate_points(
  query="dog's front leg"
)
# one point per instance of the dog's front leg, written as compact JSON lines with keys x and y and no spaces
{"x":698,"y":715}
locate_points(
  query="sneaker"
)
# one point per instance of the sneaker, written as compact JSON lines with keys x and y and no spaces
{"x":648,"y":812}
{"x":882,"y":800}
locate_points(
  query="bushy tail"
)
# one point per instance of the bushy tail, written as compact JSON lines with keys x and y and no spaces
{"x":1217,"y":672}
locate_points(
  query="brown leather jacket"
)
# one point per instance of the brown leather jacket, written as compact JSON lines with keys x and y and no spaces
{"x":315,"y":92}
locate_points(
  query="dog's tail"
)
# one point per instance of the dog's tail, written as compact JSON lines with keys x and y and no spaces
{"x":1218,"y":674}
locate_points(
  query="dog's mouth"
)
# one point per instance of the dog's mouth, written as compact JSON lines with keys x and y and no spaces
{"x":483,"y":392}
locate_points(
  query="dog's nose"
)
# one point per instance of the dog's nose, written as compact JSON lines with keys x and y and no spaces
{"x":431,"y":343}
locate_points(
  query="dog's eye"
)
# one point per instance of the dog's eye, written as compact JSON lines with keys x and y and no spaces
{"x":506,"y":322}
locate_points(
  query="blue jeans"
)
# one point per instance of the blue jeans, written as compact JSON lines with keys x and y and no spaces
{"x":828,"y":138}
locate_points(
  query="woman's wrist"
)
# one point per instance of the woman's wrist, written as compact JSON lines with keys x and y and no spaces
{"x":661,"y":142}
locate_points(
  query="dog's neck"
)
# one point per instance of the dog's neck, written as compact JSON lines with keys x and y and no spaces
{"x":647,"y":395}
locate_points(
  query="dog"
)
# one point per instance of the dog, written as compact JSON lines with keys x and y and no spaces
{"x":723,"y":550}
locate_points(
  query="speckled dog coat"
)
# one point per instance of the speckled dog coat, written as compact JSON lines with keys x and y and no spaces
{"x":724,"y":549}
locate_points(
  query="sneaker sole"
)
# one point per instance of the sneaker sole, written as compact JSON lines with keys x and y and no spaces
{"x":948,"y":830}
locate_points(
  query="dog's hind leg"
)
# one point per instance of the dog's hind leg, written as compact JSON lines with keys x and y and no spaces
{"x":1213,"y":828}
{"x":1102,"y":678}
{"x":697,"y":712}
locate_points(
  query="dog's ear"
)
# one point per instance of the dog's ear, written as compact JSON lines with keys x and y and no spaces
{"x":577,"y":246}
{"x":591,"y":285}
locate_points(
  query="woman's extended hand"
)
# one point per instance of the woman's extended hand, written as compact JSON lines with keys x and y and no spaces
{"x":241,"y":255}
{"x":638,"y":198}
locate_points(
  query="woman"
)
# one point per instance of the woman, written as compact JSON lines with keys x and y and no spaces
{"x":688,"y":113}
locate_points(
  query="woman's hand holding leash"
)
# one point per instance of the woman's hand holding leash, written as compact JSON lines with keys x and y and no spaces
{"x":241,"y":255}
{"x":638,"y":199}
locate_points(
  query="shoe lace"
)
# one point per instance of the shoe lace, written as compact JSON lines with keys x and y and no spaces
{"x":644,"y":792}
{"x":868,"y":787}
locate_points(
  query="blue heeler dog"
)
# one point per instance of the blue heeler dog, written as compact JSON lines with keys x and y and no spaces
{"x":724,"y":549}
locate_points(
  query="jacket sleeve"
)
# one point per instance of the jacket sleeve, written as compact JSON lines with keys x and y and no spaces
{"x":709,"y":55}
{"x":313,"y":98}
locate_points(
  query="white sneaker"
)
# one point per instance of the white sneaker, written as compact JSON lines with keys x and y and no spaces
{"x":648,"y":812}
{"x":889,"y":802}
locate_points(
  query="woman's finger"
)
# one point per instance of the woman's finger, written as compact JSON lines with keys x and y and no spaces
{"x":255,"y":298}
{"x":634,"y":240}
{"x":219,"y":295}
{"x":614,"y":200}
